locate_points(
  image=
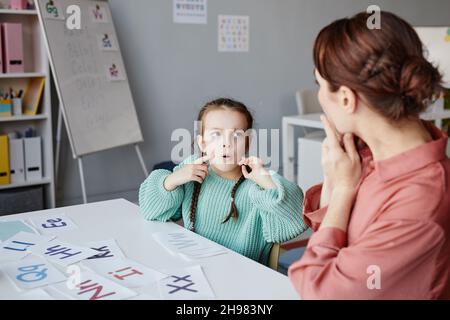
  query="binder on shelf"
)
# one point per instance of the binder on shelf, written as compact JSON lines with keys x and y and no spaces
{"x":33,"y":158}
{"x":4,"y":161}
{"x":1,"y":52}
{"x":33,"y":96}
{"x":5,"y":108}
{"x":12,"y":36}
{"x":16,"y":161}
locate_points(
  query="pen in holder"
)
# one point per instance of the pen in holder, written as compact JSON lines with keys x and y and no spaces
{"x":17,"y":106}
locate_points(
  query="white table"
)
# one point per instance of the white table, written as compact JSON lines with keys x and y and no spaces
{"x":312,"y":120}
{"x":231,"y":276}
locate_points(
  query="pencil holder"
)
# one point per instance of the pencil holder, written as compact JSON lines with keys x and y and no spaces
{"x":17,"y":106}
{"x":5,"y":108}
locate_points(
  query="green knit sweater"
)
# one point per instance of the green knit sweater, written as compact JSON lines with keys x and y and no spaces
{"x":265,"y":216}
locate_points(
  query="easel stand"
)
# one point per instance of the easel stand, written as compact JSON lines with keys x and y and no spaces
{"x":80,"y":158}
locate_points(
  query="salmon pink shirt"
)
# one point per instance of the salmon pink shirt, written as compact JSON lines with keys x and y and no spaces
{"x":397,"y":245}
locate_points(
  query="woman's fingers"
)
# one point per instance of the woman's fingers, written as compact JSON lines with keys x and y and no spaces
{"x":332,"y":136}
{"x":350,"y":148}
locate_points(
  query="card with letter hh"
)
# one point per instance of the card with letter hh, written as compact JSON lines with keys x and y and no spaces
{"x":62,"y":253}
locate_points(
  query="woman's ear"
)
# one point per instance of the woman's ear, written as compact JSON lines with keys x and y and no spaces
{"x":347,"y":100}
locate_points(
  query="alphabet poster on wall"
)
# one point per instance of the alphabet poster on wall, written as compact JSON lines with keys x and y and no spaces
{"x":234,"y":33}
{"x":190,"y":11}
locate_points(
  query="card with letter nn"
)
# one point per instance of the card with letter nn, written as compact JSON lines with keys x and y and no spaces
{"x":94,"y":287}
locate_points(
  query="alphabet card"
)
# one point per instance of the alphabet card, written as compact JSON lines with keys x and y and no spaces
{"x":107,"y":42}
{"x":188,"y":245}
{"x":114,"y":72}
{"x":107,"y":249}
{"x":16,"y":247}
{"x":185,"y":284}
{"x":98,"y":13}
{"x":32,"y":273}
{"x":95,"y":287}
{"x":125,"y":272}
{"x":10,"y":228}
{"x":53,"y":224}
{"x":53,"y":10}
{"x":63,"y":253}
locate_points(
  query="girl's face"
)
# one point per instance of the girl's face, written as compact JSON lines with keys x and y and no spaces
{"x":224,"y":138}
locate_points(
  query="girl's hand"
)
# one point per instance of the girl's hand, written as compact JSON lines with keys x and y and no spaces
{"x":258,"y":173}
{"x":341,"y":164}
{"x":197,"y":172}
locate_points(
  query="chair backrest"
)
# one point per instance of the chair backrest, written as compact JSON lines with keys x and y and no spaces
{"x":307,"y":101}
{"x":274,"y":256}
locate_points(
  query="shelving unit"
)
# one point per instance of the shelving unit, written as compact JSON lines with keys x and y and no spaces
{"x":36,"y":65}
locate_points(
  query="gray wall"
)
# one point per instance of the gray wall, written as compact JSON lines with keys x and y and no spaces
{"x":174,"y":68}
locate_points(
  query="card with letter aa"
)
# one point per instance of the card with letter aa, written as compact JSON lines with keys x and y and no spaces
{"x":16,"y":247}
{"x":62,"y":253}
{"x":53,"y":224}
{"x":32,"y":273}
{"x":185,"y":284}
{"x":95,"y":287}
{"x":107,"y":249}
{"x":125,"y":272}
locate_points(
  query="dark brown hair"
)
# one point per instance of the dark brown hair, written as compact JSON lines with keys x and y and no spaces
{"x":227,"y":104}
{"x":386,"y":67}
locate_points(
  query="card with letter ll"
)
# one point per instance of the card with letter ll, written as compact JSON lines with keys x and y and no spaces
{"x":16,"y":247}
{"x":32,"y":273}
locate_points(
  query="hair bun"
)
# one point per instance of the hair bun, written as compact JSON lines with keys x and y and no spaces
{"x":420,"y":81}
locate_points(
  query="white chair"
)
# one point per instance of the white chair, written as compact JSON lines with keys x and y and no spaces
{"x":307,"y":102}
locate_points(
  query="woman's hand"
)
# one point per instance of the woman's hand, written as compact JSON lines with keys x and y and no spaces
{"x":342,"y":167}
{"x":341,"y":162}
{"x":258,"y":173}
{"x":197,"y":171}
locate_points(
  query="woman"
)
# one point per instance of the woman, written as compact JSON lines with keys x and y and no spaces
{"x":382,"y":216}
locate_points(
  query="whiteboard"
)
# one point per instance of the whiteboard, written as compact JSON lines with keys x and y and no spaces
{"x":90,"y":77}
{"x":437,"y":43}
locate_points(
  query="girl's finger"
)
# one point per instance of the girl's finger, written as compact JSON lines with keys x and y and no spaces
{"x":331,"y":133}
{"x":204,"y":159}
{"x":201,"y":174}
{"x":197,"y":179}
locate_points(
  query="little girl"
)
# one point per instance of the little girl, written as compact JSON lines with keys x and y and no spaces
{"x":234,"y":200}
